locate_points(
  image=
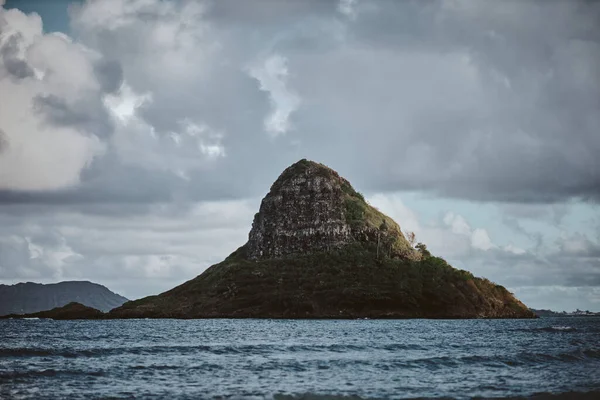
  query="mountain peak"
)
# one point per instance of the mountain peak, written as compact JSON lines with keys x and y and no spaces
{"x":305,"y":169}
{"x":311,"y":208}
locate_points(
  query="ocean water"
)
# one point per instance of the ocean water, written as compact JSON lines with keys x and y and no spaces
{"x":280,"y":359}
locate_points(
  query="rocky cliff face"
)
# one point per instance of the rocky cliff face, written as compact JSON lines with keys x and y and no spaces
{"x":310,"y":208}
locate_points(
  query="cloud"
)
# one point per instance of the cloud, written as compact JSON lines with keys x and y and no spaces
{"x":578,"y":245}
{"x":460,"y":101}
{"x":347,"y":8}
{"x":449,"y":98}
{"x":449,"y":236}
{"x":49,"y":133}
{"x":138,"y":256}
{"x":272,"y":75}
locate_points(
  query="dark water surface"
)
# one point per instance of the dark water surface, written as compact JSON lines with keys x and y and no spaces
{"x":269,"y":358}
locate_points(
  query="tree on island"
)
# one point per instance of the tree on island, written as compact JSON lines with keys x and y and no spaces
{"x":423,"y":250}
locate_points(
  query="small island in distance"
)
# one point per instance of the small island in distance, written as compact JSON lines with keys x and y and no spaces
{"x":317,"y":249}
{"x":576,"y":313}
{"x":69,"y":311}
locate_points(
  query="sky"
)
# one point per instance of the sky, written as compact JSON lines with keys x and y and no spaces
{"x":137,"y":137}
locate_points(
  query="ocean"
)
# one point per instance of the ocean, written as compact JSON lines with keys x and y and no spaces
{"x":286,"y":359}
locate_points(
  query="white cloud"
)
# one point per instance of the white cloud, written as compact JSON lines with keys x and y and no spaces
{"x":514,"y":249}
{"x":272,"y":74}
{"x":458,"y":223}
{"x":36,"y":154}
{"x":480,"y":239}
{"x":124,"y":104}
{"x":208,"y":141}
{"x":392,"y":205}
{"x":451,"y":237}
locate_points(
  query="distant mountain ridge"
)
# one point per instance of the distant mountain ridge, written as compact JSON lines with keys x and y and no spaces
{"x":30,"y":297}
{"x":577,"y":313}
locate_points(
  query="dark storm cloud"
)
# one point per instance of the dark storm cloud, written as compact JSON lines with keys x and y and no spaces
{"x":490,"y":103}
{"x":533,"y":138}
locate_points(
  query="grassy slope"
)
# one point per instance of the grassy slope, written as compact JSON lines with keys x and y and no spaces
{"x":347,"y":283}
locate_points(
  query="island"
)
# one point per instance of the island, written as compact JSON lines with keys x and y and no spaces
{"x":317,"y":249}
{"x":69,"y":311}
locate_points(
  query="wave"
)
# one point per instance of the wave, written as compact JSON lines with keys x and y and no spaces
{"x":315,"y":396}
{"x":202,"y":367}
{"x":555,"y":328}
{"x":524,"y":358}
{"x":398,"y":346}
{"x":503,"y":360}
{"x":154,"y":367}
{"x":257,"y":349}
{"x":559,"y":328}
{"x":536,"y":396}
{"x":26,"y":352}
{"x":16,"y":375}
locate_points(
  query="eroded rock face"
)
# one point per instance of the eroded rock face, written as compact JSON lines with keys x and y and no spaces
{"x":303,"y":212}
{"x":310,"y":208}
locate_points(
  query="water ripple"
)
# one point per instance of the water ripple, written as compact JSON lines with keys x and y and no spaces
{"x":298,"y":359}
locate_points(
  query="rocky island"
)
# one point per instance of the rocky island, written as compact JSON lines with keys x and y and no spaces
{"x":317,"y":249}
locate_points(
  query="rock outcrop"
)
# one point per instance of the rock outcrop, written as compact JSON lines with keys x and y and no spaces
{"x":310,"y":208}
{"x":317,"y":249}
